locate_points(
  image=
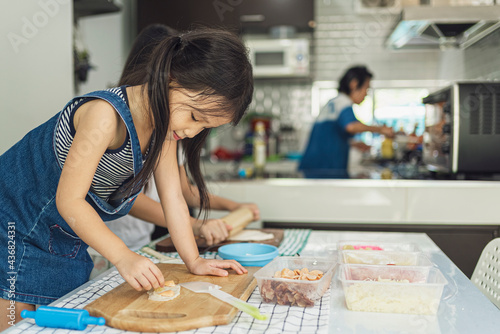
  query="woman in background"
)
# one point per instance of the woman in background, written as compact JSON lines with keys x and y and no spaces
{"x":327,"y":151}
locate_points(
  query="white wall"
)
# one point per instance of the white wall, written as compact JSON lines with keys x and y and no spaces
{"x":36,"y":64}
{"x":345,"y":37}
{"x":108,"y":39}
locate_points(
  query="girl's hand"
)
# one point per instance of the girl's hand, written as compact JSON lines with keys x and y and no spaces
{"x":140,"y":272}
{"x":251,"y":206}
{"x":214,"y":231}
{"x":202,"y":266}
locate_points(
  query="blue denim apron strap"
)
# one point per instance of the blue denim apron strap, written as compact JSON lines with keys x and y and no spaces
{"x":123,"y":110}
{"x":120,"y":207}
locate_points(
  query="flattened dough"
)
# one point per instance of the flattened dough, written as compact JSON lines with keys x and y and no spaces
{"x":165,"y":293}
{"x":252,"y":235}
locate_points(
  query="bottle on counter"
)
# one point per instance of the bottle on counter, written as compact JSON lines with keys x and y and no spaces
{"x":259,"y":150}
{"x":387,"y":148}
{"x":401,"y":141}
{"x":413,"y":139}
{"x":386,"y":174}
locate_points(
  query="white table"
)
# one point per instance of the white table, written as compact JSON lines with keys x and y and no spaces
{"x":463,"y":308}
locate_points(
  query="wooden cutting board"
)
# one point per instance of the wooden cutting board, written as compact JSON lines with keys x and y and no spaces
{"x":166,"y":245}
{"x":128,"y":309}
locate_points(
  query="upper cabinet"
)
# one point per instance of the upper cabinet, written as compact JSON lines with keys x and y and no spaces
{"x":260,"y":15}
{"x":243,"y":16}
{"x":82,"y":8}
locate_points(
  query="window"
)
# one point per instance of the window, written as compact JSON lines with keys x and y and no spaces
{"x":394,"y":107}
{"x":401,"y":108}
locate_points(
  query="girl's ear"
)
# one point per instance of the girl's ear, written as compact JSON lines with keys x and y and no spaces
{"x":353,"y":85}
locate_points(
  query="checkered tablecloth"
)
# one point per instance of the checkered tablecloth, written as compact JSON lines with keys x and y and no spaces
{"x":283,"y":319}
{"x":294,"y":241}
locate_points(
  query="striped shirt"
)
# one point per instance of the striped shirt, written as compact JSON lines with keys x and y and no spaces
{"x":115,"y":166}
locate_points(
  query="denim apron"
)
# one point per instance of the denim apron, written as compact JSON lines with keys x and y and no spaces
{"x":41,"y":258}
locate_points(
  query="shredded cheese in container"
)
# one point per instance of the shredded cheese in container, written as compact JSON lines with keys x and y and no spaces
{"x":391,"y":298}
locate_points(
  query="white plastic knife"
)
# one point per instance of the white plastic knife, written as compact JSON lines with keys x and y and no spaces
{"x":214,"y":290}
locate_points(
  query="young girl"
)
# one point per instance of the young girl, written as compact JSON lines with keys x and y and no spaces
{"x":89,"y":163}
{"x":136,"y":232}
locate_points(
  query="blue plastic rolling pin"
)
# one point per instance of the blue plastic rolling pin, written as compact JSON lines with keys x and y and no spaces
{"x":56,"y":317}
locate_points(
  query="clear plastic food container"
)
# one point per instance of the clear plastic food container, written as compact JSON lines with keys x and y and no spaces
{"x":392,"y":289}
{"x":384,"y":258}
{"x":286,"y":291}
{"x":377,"y":246}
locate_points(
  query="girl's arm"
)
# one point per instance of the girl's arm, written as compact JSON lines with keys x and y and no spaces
{"x":147,"y":209}
{"x":97,"y":125}
{"x":176,"y":212}
{"x":192,"y":197}
{"x":213,"y":230}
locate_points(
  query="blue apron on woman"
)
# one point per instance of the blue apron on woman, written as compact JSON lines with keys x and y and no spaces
{"x":41,"y":257}
{"x":327,"y":150}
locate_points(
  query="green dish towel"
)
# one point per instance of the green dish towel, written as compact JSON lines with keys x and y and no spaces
{"x":294,"y":240}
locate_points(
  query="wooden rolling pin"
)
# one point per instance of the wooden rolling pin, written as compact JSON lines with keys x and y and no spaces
{"x":238,"y":219}
{"x":159,"y":256}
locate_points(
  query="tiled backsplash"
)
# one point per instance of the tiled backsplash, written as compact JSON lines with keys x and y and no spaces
{"x":289,"y":101}
{"x":344,"y":37}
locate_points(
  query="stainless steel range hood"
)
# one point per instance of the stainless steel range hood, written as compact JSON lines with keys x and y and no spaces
{"x":428,"y":27}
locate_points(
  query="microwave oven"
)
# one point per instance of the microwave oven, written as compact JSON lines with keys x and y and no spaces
{"x":274,"y":58}
{"x":462,"y":129}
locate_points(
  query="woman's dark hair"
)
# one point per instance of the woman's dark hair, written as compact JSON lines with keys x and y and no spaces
{"x":359,"y":73}
{"x":213,"y":64}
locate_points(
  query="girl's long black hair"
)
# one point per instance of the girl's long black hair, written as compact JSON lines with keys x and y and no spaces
{"x":211,"y":63}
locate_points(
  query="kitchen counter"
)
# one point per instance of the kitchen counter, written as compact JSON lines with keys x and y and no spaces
{"x":368,"y":201}
{"x":463,"y":308}
{"x":460,"y":216}
{"x":228,"y":170}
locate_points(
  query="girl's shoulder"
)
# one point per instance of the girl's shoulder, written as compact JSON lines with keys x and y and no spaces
{"x":114,"y":95}
{"x":103,"y":101}
{"x":96,"y":111}
{"x":106,"y":92}
{"x":99,"y":119}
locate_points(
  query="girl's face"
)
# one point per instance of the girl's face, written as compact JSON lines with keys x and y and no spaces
{"x":186,"y":116}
